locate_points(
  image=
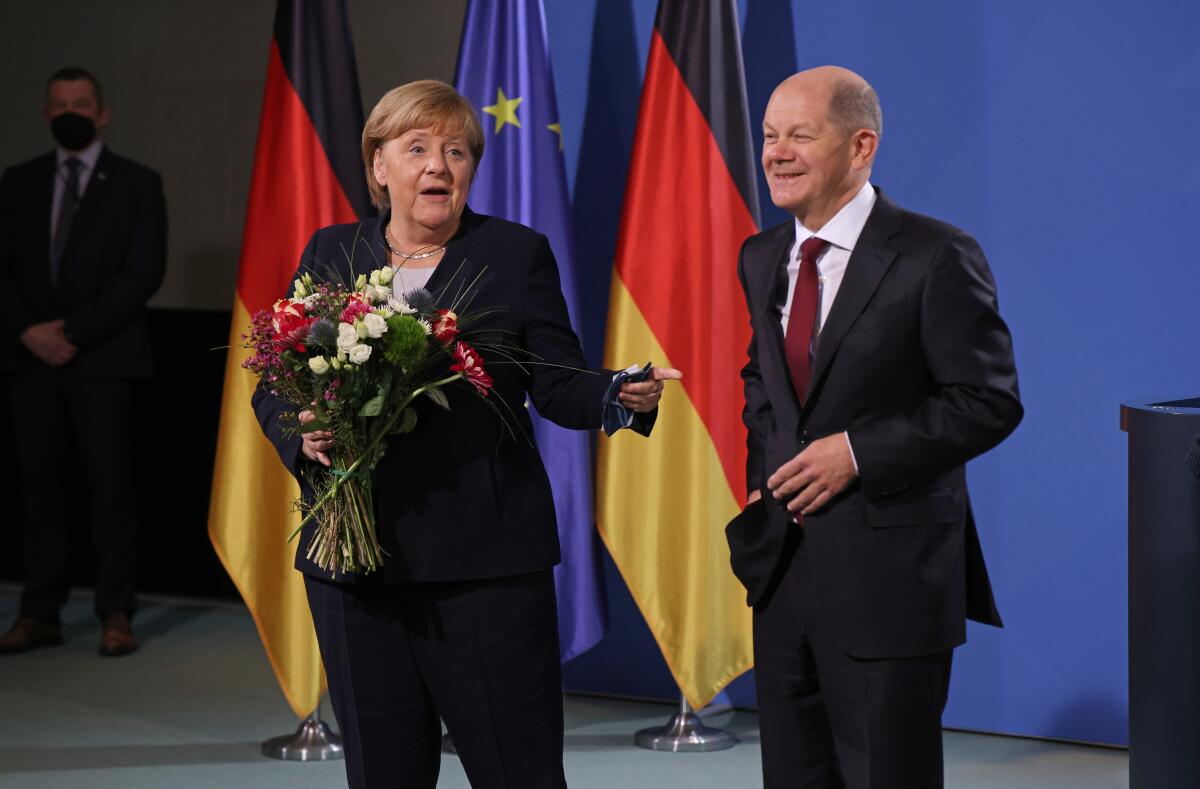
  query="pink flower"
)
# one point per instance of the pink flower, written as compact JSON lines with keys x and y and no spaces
{"x":468,"y":363}
{"x":445,"y":327}
{"x":356,"y":307}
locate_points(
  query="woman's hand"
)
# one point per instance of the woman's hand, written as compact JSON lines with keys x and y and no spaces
{"x":644,"y":395}
{"x":317,"y":443}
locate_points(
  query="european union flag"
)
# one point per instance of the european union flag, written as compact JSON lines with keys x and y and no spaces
{"x":504,"y":69}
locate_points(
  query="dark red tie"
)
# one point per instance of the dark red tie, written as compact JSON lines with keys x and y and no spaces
{"x":803,"y":318}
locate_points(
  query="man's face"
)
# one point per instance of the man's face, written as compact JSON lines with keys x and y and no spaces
{"x":806,"y":157}
{"x":77,"y":96}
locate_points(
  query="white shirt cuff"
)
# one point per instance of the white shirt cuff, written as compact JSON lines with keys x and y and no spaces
{"x":850,"y":446}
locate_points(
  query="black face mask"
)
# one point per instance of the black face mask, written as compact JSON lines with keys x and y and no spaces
{"x":73,"y":131}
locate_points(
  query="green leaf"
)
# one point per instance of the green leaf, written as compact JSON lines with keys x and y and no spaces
{"x":408,"y":420}
{"x":439,"y":397}
{"x":315,"y":425}
{"x":372,"y":407}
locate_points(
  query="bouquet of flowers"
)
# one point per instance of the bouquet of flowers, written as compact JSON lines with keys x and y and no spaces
{"x":356,"y":357}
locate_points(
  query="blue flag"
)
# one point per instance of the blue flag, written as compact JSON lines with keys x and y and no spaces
{"x":504,"y":70}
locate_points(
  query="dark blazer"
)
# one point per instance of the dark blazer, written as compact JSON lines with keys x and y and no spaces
{"x":915,"y":362}
{"x":461,"y":498}
{"x":113,"y":262}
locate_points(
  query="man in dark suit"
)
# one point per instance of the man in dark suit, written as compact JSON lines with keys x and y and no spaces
{"x":879,"y":366}
{"x":82,"y":248}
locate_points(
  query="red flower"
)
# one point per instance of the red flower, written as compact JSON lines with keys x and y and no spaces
{"x":445,"y":328}
{"x":291,"y":325}
{"x":471,"y":366}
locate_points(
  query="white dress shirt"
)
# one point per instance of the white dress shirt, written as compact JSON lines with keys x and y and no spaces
{"x":87,"y":157}
{"x":842,"y":233}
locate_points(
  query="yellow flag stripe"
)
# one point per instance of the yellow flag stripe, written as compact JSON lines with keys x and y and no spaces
{"x":662,"y":506}
{"x":249,"y":518}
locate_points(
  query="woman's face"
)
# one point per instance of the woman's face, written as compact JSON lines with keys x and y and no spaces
{"x":427,"y":175}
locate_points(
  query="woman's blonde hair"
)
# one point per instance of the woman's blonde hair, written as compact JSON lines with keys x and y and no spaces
{"x":426,"y":103}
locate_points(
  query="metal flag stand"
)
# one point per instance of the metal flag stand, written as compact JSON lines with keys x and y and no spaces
{"x":684,"y":732}
{"x":312,"y":742}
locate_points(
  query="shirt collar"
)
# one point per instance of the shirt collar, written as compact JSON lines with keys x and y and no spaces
{"x":88,"y":155}
{"x":847,"y":224}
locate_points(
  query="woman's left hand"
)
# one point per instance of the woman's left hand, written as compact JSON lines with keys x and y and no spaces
{"x":644,"y":395}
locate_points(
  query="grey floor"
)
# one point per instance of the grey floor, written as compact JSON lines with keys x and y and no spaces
{"x":190,"y":709}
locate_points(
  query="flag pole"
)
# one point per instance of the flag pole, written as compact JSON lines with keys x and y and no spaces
{"x":313,"y":741}
{"x":685,"y":732}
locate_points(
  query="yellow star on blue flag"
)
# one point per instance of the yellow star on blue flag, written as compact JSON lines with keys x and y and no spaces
{"x":505,"y":110}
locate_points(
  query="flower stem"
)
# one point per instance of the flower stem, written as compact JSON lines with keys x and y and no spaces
{"x":367,"y":452}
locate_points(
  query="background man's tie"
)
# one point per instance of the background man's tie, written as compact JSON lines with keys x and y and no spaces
{"x":66,"y":214}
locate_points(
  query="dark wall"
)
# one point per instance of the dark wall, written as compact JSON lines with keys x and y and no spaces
{"x":176,"y":440}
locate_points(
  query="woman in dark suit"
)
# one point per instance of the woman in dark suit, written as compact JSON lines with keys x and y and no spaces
{"x":460,"y":623}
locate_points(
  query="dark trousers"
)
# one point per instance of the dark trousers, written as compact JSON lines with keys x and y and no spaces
{"x":481,"y":655}
{"x":831,"y":721}
{"x":56,"y":416}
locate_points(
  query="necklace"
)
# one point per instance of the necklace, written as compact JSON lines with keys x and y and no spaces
{"x":387,"y":231}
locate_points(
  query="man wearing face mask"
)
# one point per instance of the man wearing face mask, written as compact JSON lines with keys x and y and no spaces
{"x":82,"y":248}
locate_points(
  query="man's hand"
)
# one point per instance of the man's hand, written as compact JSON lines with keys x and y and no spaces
{"x":316,"y":443}
{"x":808,"y":481}
{"x":644,"y":395}
{"x":48,"y":342}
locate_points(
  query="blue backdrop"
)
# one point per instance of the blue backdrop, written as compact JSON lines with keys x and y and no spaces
{"x":1060,"y":134}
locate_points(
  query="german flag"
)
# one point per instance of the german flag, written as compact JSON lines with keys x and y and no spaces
{"x":690,"y":202}
{"x":307,"y":174}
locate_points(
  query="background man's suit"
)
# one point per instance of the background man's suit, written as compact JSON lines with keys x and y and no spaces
{"x":916,"y":364}
{"x":112,"y":263}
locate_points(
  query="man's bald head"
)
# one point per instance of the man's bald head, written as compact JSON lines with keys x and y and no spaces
{"x":851,"y":101}
{"x":820,"y":134}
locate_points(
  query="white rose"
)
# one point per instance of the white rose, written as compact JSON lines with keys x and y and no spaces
{"x":319,"y":365}
{"x":374,"y":278}
{"x":374,"y":324}
{"x":360,"y":353}
{"x":347,"y":337}
{"x":386,"y":275}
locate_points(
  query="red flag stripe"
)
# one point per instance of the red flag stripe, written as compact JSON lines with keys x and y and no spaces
{"x":292,"y":192}
{"x":680,"y":268}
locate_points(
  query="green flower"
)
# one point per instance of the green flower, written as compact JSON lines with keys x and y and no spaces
{"x":405,"y":341}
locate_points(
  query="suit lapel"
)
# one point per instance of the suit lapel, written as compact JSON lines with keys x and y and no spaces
{"x":366,"y":252}
{"x":767,"y":281}
{"x":870,"y":261}
{"x":457,"y":279}
{"x":41,"y":198}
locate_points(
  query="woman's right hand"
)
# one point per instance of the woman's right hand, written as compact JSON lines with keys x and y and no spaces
{"x":317,"y":443}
